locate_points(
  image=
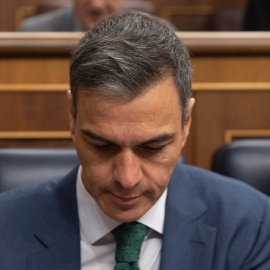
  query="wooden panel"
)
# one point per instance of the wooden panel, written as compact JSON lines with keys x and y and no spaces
{"x":33,"y":85}
{"x":231,"y":86}
{"x":231,"y":69}
{"x":226,"y":43}
{"x":239,"y":134}
{"x":34,"y":139}
{"x":8,"y":10}
{"x":189,"y":17}
{"x":217,"y":112}
{"x":36,"y":143}
{"x":33,"y":111}
{"x":7,"y":13}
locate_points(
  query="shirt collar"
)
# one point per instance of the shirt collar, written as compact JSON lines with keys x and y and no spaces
{"x":95,"y":224}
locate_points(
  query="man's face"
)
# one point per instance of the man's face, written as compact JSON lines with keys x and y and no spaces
{"x":90,"y":12}
{"x":128,"y":149}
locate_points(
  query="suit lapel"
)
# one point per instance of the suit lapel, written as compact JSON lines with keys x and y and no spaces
{"x":59,"y":230}
{"x":187,"y":242}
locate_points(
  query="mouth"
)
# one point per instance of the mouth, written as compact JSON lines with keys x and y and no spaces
{"x":125,"y":200}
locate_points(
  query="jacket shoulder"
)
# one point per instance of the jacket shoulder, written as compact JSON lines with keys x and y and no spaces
{"x":239,"y":214}
{"x":57,"y":20}
{"x":30,"y":217}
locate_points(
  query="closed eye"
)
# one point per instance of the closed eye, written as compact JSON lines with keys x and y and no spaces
{"x":153,"y":150}
{"x":103,"y":147}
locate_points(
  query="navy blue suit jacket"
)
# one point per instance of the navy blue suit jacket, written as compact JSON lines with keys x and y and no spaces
{"x":211,"y":222}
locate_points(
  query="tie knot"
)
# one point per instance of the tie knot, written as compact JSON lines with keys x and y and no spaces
{"x":129,"y":238}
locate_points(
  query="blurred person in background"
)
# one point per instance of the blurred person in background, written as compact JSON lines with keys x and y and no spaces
{"x":81,"y":16}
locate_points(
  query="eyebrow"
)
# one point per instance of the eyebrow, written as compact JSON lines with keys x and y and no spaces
{"x":159,"y":138}
{"x":94,"y":136}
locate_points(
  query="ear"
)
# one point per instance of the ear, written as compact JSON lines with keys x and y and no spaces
{"x":71,"y":115}
{"x":188,"y":121}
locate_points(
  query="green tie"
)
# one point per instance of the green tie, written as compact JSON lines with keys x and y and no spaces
{"x":129,"y":238}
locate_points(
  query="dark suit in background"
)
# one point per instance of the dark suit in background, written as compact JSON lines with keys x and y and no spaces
{"x":63,"y":20}
{"x":60,"y":20}
{"x":257,"y":16}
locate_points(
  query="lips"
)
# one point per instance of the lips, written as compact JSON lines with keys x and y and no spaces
{"x":125,"y":200}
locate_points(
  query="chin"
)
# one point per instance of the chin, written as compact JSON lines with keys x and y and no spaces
{"x":125,"y":219}
{"x":126,"y":216}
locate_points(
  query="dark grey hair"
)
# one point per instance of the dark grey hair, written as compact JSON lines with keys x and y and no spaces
{"x":125,"y":55}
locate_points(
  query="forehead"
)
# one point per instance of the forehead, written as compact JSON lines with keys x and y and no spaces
{"x":156,"y":111}
{"x":157,"y":96}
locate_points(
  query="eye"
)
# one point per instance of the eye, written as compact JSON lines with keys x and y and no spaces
{"x":103,"y":147}
{"x":153,"y":150}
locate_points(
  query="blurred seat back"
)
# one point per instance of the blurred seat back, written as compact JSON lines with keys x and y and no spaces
{"x":247,"y":160}
{"x":20,"y":167}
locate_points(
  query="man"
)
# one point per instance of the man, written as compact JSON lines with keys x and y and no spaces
{"x":130,"y":113}
{"x":82,"y":16}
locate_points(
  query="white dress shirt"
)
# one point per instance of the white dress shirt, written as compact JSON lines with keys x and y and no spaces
{"x":97,"y":243}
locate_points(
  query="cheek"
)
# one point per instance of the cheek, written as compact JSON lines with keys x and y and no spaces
{"x":95,"y":170}
{"x":96,"y":177}
{"x":159,"y":173}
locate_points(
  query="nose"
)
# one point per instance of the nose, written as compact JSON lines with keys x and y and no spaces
{"x":127,"y":169}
